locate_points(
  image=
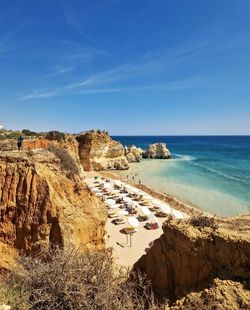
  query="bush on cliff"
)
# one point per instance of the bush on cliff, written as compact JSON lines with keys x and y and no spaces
{"x":28,"y":133}
{"x":67,"y":162}
{"x":68,"y":280}
{"x":203,"y":221}
{"x":55,"y":135}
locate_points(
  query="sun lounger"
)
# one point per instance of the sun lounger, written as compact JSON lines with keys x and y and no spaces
{"x":142,"y":218}
{"x":161,"y":214}
{"x":118,"y":221}
{"x":151,"y":226}
{"x":113,"y":215}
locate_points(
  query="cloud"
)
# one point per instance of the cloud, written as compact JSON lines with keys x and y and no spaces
{"x":92,"y":88}
{"x":10,"y":34}
{"x":140,"y":75}
{"x":58,"y":70}
{"x":37,"y":94}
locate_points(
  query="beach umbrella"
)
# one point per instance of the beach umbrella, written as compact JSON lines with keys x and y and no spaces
{"x":145,"y":211}
{"x":110,"y":202}
{"x":146,"y":197}
{"x":123,"y":212}
{"x":165,"y":208}
{"x":156,"y":202}
{"x":134,"y":204}
{"x":107,"y":186}
{"x":94,"y":190}
{"x":114,"y":206}
{"x":123,"y":195}
{"x":127,"y":199}
{"x":178,"y":214}
{"x":133,"y":222}
{"x":118,"y":183}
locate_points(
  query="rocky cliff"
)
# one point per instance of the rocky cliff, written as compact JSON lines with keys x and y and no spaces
{"x":133,"y":154}
{"x":97,"y":151}
{"x":157,"y":151}
{"x":187,"y":258}
{"x":43,"y":203}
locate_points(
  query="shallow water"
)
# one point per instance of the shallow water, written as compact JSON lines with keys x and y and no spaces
{"x":210,"y":172}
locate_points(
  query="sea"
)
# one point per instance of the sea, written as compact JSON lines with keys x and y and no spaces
{"x":211,"y":172}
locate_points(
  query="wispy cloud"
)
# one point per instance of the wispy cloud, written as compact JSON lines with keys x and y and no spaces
{"x":140,"y":75}
{"x":4,"y":41}
{"x":57,"y":71}
{"x":182,"y":84}
{"x":38,"y":94}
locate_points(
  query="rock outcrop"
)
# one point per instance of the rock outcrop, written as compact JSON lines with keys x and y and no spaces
{"x":157,"y":151}
{"x":97,"y":151}
{"x":187,"y":258}
{"x":220,"y":295}
{"x":133,"y":154}
{"x":42,"y":204}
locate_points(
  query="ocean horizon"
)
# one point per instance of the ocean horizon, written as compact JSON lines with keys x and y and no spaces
{"x":211,"y":172}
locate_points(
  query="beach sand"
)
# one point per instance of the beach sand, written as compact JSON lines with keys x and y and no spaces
{"x":124,"y":254}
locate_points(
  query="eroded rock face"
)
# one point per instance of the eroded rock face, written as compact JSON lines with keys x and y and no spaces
{"x":133,"y":154}
{"x":157,"y":151}
{"x":220,"y":295}
{"x":97,"y":151}
{"x":41,"y":206}
{"x":185,"y":258}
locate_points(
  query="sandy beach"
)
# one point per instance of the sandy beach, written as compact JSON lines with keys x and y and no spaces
{"x":127,"y":251}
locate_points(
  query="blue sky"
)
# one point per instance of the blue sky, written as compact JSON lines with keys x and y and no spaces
{"x":128,"y":66}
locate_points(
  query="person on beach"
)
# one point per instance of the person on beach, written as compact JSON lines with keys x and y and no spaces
{"x":19,"y":143}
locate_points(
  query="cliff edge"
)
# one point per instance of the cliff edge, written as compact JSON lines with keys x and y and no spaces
{"x":97,"y":151}
{"x":187,"y":258}
{"x":43,"y":202}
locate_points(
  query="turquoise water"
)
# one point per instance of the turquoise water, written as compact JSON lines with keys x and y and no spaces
{"x":210,"y":172}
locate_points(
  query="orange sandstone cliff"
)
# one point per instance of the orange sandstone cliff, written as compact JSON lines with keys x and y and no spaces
{"x":187,"y":258}
{"x":43,"y":202}
{"x":97,"y":151}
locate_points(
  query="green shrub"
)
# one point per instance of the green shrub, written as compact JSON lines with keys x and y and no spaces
{"x":27,"y":132}
{"x":55,"y":135}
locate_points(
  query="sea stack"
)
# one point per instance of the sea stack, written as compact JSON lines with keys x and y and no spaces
{"x":133,"y":153}
{"x":157,"y":151}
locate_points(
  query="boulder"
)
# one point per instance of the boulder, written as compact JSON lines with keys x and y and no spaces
{"x":157,"y":151}
{"x":133,"y":154}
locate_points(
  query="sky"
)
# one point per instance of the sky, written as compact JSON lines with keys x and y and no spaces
{"x":132,"y":67}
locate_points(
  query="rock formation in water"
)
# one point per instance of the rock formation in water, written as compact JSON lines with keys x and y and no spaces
{"x":133,"y":154}
{"x":157,"y":151}
{"x":187,"y":258}
{"x":43,"y":202}
{"x":97,"y":151}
